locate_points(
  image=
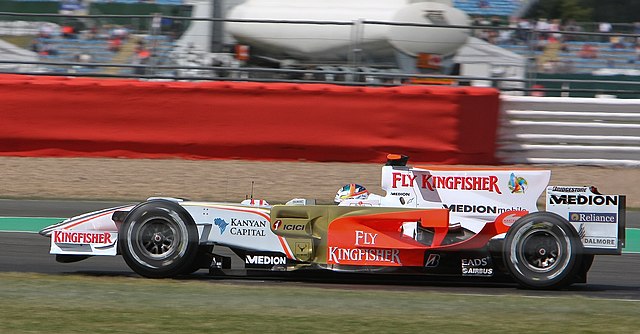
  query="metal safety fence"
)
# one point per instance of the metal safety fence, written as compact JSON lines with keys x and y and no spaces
{"x":517,"y":59}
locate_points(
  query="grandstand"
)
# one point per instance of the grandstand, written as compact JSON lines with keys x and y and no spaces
{"x":88,"y":53}
{"x":568,"y":56}
{"x":75,"y":50}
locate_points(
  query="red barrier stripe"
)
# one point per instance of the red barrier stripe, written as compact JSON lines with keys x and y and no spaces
{"x":58,"y":116}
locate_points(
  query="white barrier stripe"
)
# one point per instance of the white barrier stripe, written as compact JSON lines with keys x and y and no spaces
{"x":599,"y":162}
{"x":573,"y":124}
{"x":518,"y":147}
{"x":533,"y":114}
{"x":588,"y":101}
{"x":557,"y":138}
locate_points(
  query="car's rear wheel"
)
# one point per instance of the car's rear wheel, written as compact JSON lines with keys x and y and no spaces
{"x":543,"y":251}
{"x":159,"y":239}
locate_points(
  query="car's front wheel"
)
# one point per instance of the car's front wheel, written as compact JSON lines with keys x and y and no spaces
{"x":159,"y":239}
{"x":543,"y":251}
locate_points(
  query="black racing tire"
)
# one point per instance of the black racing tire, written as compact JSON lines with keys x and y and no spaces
{"x":543,"y":251}
{"x":587,"y":261}
{"x":203,"y":259}
{"x":159,"y":239}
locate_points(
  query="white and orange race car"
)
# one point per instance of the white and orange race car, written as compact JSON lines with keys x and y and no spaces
{"x":481,"y":223}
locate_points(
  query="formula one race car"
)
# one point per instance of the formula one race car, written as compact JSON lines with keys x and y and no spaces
{"x":431,"y":221}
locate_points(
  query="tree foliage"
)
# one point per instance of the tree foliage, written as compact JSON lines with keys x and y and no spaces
{"x":614,"y":11}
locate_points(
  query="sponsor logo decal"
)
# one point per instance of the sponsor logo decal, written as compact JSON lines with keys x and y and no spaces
{"x":569,"y":189}
{"x":433,"y":260}
{"x":432,"y":182}
{"x":510,"y":219}
{"x":361,"y":255}
{"x":477,"y":267}
{"x":400,"y":194}
{"x":265,"y":259}
{"x":365,"y":238}
{"x":594,"y":241}
{"x":599,"y":241}
{"x":479,"y":208}
{"x":302,"y":249}
{"x":592,"y":217}
{"x":221,"y":223}
{"x":242,"y":227}
{"x":276,"y":224}
{"x":337,"y":254}
{"x":71,"y":237}
{"x":436,"y":17}
{"x":294,"y":227}
{"x":584,"y":199}
{"x":517,"y":184}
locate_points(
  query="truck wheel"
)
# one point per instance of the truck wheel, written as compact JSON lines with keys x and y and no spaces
{"x":543,"y":251}
{"x":158,"y":239}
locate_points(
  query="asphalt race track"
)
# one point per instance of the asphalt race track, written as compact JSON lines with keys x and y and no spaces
{"x":615,"y":277}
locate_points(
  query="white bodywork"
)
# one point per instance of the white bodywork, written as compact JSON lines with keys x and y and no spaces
{"x":474,"y":197}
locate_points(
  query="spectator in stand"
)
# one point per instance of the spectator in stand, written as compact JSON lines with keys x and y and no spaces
{"x":523,"y":30}
{"x":550,"y":66}
{"x":82,"y":58}
{"x":142,"y":57}
{"x":85,"y":58}
{"x":636,"y":31}
{"x":573,"y":27}
{"x":605,"y":28}
{"x":483,"y":34}
{"x":483,"y":4}
{"x":120,"y":33}
{"x":92,"y":33}
{"x":554,"y":28}
{"x":115,"y":44}
{"x":508,"y":36}
{"x":588,"y":51}
{"x":156,"y":24}
{"x":35,"y":45}
{"x":48,"y":50}
{"x":496,"y":22}
{"x":68,"y":31}
{"x":542,"y":43}
{"x":542,"y":26}
{"x":46,"y":30}
{"x":617,"y":43}
{"x":140,"y":45}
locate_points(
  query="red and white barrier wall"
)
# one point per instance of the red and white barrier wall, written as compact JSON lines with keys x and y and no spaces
{"x":84,"y":117}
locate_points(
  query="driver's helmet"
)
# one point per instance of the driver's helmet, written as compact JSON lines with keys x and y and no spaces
{"x":351,"y":191}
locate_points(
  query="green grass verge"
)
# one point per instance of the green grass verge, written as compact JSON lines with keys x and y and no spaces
{"x":33,"y":303}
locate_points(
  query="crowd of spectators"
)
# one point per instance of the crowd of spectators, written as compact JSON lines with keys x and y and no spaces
{"x":561,"y":46}
{"x":73,"y":42}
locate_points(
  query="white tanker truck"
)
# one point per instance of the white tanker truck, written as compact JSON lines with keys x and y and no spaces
{"x":348,"y":33}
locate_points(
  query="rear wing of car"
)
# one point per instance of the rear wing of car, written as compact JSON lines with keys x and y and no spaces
{"x":599,"y":219}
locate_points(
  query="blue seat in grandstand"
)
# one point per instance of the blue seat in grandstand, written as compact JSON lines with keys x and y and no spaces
{"x":169,"y":2}
{"x":488,"y":7}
